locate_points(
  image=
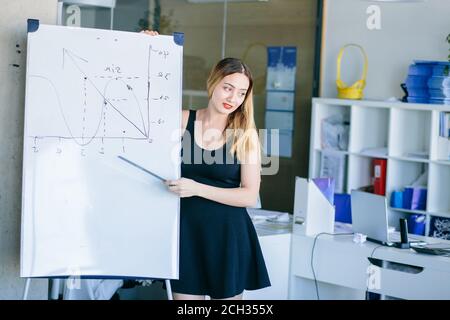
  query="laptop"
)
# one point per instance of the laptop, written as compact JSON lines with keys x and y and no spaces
{"x":370,"y":217}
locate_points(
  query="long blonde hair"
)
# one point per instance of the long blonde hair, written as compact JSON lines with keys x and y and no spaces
{"x":241,"y":121}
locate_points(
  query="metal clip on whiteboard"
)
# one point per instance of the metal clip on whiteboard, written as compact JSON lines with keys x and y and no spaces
{"x":313,"y":213}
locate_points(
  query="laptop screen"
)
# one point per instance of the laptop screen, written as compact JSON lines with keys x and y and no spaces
{"x":370,"y":215}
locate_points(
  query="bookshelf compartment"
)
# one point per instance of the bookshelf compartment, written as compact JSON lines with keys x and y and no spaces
{"x":359,"y":172}
{"x":410,"y":133}
{"x":369,"y":130}
{"x":403,"y":173}
{"x":330,"y":163}
{"x":323,"y":113}
{"x":439,"y":189}
{"x":440,"y":145}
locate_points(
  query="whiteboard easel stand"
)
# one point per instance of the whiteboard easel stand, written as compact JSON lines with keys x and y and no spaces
{"x":27,"y":288}
{"x":55,"y":289}
{"x":169,"y":290}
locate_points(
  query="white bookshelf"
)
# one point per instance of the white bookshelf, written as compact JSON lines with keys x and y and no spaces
{"x":405,"y":134}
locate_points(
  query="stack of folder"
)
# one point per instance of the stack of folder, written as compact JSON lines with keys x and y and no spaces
{"x":439,"y":83}
{"x":428,"y":82}
{"x":417,"y":81}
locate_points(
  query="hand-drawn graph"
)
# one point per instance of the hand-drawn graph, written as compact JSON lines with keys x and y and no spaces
{"x":108,"y":94}
{"x":104,"y":92}
{"x":92,"y":95}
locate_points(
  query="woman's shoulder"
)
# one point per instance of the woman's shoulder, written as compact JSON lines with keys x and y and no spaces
{"x":185,"y":114}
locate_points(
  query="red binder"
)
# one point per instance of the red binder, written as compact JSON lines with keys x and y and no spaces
{"x":379,"y":176}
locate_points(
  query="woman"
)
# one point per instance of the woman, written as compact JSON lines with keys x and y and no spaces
{"x":220,"y":255}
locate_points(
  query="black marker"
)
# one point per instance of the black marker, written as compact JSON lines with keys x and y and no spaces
{"x":143,"y":169}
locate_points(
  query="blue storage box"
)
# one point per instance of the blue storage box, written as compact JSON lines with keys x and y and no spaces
{"x":415,"y":198}
{"x":416,"y":224}
{"x":397,"y":199}
{"x":343,"y":208}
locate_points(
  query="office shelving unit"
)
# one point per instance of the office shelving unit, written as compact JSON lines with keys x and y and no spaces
{"x":405,"y":134}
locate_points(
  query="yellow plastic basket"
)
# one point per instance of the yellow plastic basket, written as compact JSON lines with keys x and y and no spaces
{"x":355,"y":91}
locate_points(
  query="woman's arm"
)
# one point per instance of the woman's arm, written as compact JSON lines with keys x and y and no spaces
{"x":244,"y":196}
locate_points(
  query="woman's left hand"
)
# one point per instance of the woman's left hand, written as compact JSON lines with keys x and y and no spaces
{"x":183,"y":187}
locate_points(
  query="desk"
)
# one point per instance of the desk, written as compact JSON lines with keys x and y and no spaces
{"x":343,"y":270}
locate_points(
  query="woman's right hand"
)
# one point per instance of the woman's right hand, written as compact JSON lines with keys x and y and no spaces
{"x":150,"y":32}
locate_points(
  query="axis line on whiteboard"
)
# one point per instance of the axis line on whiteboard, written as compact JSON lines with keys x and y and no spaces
{"x":105,"y":99}
{"x":66,"y":122}
{"x":148,"y":88}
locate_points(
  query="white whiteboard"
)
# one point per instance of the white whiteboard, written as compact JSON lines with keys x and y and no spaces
{"x":92,"y":95}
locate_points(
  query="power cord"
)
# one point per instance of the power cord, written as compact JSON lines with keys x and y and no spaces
{"x":312,"y":256}
{"x":374,"y":249}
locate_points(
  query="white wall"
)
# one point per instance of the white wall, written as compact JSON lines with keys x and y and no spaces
{"x":13,"y":32}
{"x":408,"y":31}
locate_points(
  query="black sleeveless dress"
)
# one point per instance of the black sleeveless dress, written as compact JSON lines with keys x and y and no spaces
{"x":220,"y":255}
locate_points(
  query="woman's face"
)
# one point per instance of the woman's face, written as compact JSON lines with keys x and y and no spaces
{"x":230,"y":93}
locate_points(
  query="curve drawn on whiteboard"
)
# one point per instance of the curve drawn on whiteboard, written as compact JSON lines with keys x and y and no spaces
{"x":69,"y":53}
{"x":142,"y":126}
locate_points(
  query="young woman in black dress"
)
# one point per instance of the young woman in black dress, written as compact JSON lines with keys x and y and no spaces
{"x":220,"y":255}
